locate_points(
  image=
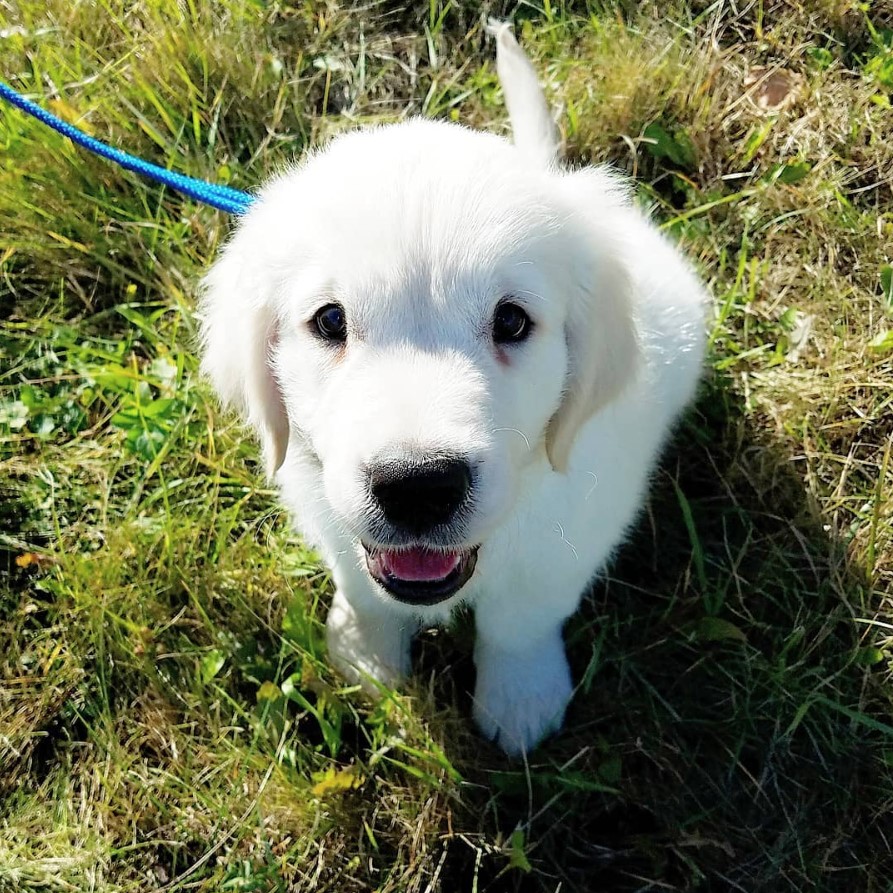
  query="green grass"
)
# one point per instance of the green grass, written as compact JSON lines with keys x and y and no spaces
{"x":167,"y":716}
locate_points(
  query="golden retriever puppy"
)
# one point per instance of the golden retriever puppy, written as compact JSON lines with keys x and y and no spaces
{"x":461,"y":361}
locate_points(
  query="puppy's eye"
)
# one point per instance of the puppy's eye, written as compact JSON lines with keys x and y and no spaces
{"x":511,"y":324}
{"x":331,"y":322}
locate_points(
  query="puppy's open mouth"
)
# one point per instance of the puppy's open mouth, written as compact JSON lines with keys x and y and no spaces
{"x":420,"y":576}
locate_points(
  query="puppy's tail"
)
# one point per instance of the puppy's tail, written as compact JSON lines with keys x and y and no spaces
{"x":533,"y":129}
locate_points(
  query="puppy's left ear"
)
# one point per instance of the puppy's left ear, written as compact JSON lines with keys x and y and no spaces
{"x":600,"y":329}
{"x":239,"y":335}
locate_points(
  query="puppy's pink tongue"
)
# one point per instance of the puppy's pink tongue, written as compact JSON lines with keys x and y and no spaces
{"x":418,"y":564}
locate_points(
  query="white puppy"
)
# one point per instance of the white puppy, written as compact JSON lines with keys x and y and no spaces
{"x":461,"y":362}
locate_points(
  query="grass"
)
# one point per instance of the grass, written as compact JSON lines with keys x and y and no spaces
{"x":167,"y":717}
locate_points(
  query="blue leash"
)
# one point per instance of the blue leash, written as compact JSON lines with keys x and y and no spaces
{"x":233,"y":201}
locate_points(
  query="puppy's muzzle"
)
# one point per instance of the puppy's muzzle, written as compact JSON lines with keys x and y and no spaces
{"x":417,"y":497}
{"x":422,"y":503}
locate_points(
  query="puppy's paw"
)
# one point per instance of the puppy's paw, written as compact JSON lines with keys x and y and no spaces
{"x":367,"y":649}
{"x":520,"y":697}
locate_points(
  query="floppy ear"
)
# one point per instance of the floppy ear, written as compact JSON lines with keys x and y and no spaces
{"x":600,"y":329}
{"x":239,"y":336}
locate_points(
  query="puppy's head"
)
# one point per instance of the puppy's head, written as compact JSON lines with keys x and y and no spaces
{"x":425,"y":314}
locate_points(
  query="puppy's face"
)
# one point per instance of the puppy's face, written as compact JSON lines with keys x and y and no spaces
{"x":416,"y":310}
{"x":421,"y":361}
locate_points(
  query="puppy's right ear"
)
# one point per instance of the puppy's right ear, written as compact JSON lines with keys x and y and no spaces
{"x":239,"y":335}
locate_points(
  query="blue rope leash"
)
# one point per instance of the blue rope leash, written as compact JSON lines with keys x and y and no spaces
{"x":233,"y":201}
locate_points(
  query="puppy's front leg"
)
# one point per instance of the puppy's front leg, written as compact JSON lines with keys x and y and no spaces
{"x":523,"y":682}
{"x":366,"y":640}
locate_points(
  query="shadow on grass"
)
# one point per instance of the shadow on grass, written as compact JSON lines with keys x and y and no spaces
{"x":722,"y":736}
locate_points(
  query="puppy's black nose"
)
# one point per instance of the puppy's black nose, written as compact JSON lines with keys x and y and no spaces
{"x":418,"y":496}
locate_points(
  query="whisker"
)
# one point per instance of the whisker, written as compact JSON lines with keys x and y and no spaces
{"x":594,"y":477}
{"x":520,"y":434}
{"x":526,"y":292}
{"x":560,"y":531}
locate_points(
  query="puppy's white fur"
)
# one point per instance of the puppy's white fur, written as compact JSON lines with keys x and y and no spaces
{"x":418,"y":230}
